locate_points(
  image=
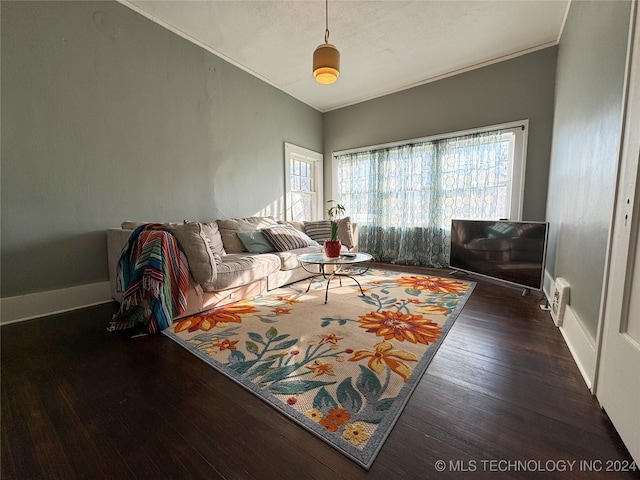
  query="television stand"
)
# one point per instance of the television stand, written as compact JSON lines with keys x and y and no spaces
{"x":456,"y":272}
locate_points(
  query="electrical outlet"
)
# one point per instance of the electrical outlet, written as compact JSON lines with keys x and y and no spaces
{"x":559,"y":300}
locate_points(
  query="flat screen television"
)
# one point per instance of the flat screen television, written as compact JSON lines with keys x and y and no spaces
{"x":511,"y":251}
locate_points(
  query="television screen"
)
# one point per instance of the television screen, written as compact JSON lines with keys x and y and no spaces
{"x":505,"y":250}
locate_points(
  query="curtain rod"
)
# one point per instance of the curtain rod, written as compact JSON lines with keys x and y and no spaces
{"x":522,"y":124}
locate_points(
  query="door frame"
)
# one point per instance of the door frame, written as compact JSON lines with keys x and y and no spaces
{"x":623,"y":245}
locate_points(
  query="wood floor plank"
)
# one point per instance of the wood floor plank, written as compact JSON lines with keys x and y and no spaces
{"x":80,"y":402}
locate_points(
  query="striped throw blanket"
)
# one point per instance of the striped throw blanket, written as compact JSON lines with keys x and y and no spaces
{"x":154,"y":275}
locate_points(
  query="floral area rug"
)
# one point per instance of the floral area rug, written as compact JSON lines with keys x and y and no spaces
{"x":344,"y":370}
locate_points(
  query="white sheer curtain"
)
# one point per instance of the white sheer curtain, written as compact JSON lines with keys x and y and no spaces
{"x":404,"y":197}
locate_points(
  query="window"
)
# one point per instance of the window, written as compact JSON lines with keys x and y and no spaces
{"x":404,"y":195}
{"x":303,"y":171}
{"x":477,"y":176}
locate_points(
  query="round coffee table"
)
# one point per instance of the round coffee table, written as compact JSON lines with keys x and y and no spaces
{"x":341,"y":262}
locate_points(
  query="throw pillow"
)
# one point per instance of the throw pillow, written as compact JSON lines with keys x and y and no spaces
{"x":299,"y":226}
{"x":216,"y":256}
{"x":210,"y":229}
{"x":310,"y":241}
{"x":229,"y":227}
{"x":319,"y":230}
{"x":255,"y":241}
{"x":345,"y":232}
{"x":285,"y":238}
{"x":196,"y":246}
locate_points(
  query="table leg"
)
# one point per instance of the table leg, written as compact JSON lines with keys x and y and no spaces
{"x":361,"y":291}
{"x":315,"y":276}
{"x":326,"y":293}
{"x":337,"y":272}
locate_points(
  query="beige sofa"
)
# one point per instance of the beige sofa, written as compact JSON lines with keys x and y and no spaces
{"x":223,"y":269}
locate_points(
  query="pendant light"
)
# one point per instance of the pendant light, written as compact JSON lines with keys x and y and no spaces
{"x":326,"y":58}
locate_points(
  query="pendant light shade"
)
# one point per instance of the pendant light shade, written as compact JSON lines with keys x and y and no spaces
{"x":326,"y":58}
{"x":326,"y":63}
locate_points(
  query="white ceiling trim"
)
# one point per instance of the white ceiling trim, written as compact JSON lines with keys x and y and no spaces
{"x":564,"y":21}
{"x":197,"y":42}
{"x":446,"y":75}
{"x":366,"y":96}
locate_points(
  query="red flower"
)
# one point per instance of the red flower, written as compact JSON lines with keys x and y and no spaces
{"x":432,"y":284}
{"x":401,"y":326}
{"x":281,"y":311}
{"x":228,"y":313}
{"x":334,"y":419}
{"x":226,"y":344}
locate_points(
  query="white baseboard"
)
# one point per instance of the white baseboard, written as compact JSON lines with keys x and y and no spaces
{"x":581,"y":345}
{"x":547,"y":285}
{"x":33,"y":305}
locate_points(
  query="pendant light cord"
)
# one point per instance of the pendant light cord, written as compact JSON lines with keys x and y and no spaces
{"x":326,"y":12}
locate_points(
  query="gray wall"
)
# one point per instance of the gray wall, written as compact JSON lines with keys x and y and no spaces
{"x":107,"y":116}
{"x":586,"y":135}
{"x":516,"y":89}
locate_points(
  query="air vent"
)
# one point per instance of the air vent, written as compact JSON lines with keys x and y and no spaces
{"x":559,"y":300}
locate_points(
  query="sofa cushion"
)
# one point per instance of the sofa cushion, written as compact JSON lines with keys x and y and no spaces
{"x":229,"y":228}
{"x":318,"y":230}
{"x":216,"y":247}
{"x":285,"y":238}
{"x":289,"y":260}
{"x":298,"y":225}
{"x":242,"y":268}
{"x":255,"y":241}
{"x":210,"y":229}
{"x":128,"y":225}
{"x":197,"y":248}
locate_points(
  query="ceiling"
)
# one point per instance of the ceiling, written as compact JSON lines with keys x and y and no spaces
{"x":385,"y":46}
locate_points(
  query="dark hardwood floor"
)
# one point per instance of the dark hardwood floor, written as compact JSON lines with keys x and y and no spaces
{"x":502,"y":396}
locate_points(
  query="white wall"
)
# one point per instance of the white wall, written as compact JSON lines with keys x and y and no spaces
{"x":107,"y":116}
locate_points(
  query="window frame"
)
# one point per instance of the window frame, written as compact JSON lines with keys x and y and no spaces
{"x":316,"y":160}
{"x":515,"y":189}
